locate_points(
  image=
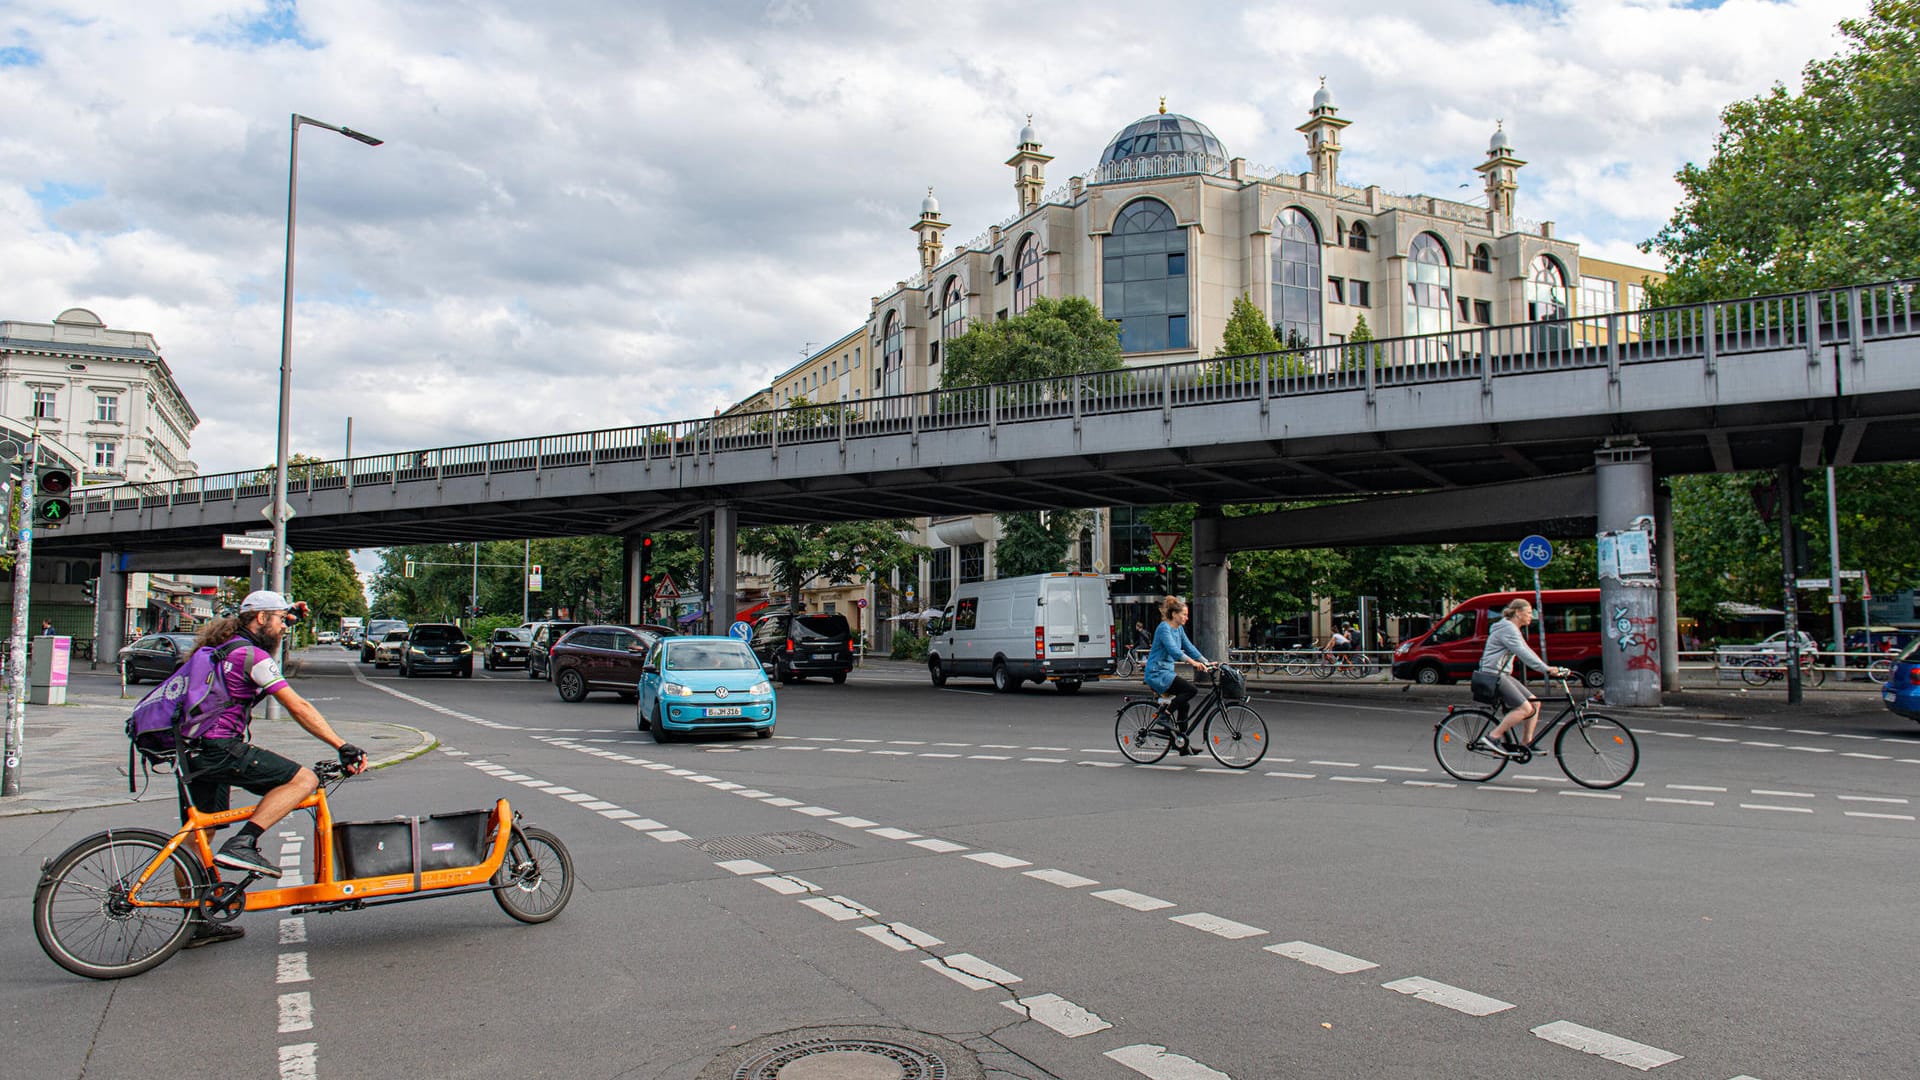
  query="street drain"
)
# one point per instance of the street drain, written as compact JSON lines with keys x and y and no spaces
{"x":767,"y":844}
{"x":846,"y":1053}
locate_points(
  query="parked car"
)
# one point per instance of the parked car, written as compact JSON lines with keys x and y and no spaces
{"x":593,"y":658}
{"x":1880,"y":639}
{"x":796,"y":646}
{"x":387,"y":652}
{"x":437,"y":647}
{"x":507,"y":649}
{"x":1041,"y":627}
{"x":326,"y":637}
{"x":540,"y":642}
{"x":1774,"y":645}
{"x":155,"y":656}
{"x":377,"y":632}
{"x":709,"y":685}
{"x":1901,"y":694}
{"x":1451,"y":650}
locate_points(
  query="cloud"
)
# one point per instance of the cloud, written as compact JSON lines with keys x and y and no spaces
{"x":601,"y":213}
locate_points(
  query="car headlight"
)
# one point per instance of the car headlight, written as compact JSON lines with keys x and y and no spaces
{"x":675,"y":690}
{"x":417,"y":651}
{"x":760,"y":688}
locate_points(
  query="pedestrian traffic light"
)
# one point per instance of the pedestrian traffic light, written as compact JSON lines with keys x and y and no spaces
{"x":646,"y":571}
{"x":51,"y":505}
{"x":409,"y":567}
{"x":88,"y":586}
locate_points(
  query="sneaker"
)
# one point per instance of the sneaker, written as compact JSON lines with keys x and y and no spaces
{"x":241,"y":853}
{"x":215,"y":934}
{"x":1481,"y":745}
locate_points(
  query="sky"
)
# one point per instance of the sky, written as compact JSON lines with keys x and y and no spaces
{"x":595,"y":213}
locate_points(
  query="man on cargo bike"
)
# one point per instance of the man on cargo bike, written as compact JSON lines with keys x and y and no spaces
{"x":221,"y":758}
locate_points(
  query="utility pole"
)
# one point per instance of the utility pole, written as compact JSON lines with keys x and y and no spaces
{"x":1834,"y":595}
{"x":22,"y":593}
{"x":526,"y":578}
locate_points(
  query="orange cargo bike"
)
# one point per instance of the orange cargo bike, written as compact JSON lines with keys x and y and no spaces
{"x":122,"y":901}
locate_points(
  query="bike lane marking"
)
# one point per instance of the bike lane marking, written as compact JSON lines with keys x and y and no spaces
{"x":1450,"y":997}
{"x":295,"y":1061}
{"x":1588,"y":1040}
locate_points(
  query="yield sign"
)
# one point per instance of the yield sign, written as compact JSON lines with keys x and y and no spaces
{"x":666,"y":590}
{"x":1166,"y":542}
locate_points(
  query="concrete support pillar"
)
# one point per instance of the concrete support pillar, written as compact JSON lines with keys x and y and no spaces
{"x":110,"y":609}
{"x":1629,"y":609}
{"x":726,"y":544}
{"x":1669,"y":591}
{"x":630,"y":580}
{"x":1793,"y":562}
{"x":1211,"y":623}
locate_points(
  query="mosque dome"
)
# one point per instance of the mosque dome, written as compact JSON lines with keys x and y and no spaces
{"x":1499,"y":142}
{"x":1027,"y":134}
{"x":1180,"y":143}
{"x":929,"y":205}
{"x":1323,"y":97}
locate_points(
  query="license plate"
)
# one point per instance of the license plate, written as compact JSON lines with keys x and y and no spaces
{"x":439,"y":659}
{"x":724,"y":710}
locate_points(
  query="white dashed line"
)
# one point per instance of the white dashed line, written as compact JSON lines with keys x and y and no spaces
{"x":788,"y":885}
{"x":744,"y":867}
{"x":1217,"y":926}
{"x":832,"y":908}
{"x":1884,"y":817}
{"x":291,"y":967}
{"x":1695,"y":787}
{"x":900,"y":937}
{"x":1780,"y":809}
{"x":299,"y":1062}
{"x":1784,"y":794}
{"x":997,"y":860}
{"x":669,"y":836}
{"x":852,"y":822}
{"x":1451,"y":997}
{"x":1337,"y":962}
{"x":971,"y":972}
{"x":1155,"y":1062}
{"x":1058,"y":1013}
{"x":296,"y":1012}
{"x":1680,"y":802}
{"x":293,"y":931}
{"x":1591,"y":794}
{"x":815,"y":811}
{"x":891,"y":833}
{"x":1509,"y":787}
{"x":1129,"y":899}
{"x":1061,"y":878}
{"x":645,"y":825}
{"x":1871,"y":798}
{"x":1612,"y":1047}
{"x":942,"y":847}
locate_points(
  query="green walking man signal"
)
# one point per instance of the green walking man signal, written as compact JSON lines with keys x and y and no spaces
{"x":51,"y":506}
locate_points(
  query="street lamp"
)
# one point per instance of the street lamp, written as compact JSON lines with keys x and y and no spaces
{"x":279,"y":510}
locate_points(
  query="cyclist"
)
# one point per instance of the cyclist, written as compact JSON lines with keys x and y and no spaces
{"x":222,"y":757}
{"x":1506,"y":639}
{"x":1172,"y":646}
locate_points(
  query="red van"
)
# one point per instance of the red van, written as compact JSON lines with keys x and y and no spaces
{"x":1451,"y":650}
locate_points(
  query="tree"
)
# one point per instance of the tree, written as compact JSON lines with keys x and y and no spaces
{"x":1247,"y":332}
{"x":1358,"y":350}
{"x":1809,"y":189}
{"x":843,"y":551}
{"x":1035,"y":541}
{"x":1063,"y":336}
{"x":329,"y":583}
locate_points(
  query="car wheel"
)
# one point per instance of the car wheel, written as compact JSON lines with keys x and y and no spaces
{"x":1595,"y":677}
{"x":839,"y":678}
{"x":131,"y":678}
{"x":781,"y":672}
{"x":1427,"y":675}
{"x":572,"y":686}
{"x":1067,"y":686}
{"x":764,"y":733}
{"x":660,"y":732}
{"x":1003,"y":682}
{"x":466,"y":670}
{"x":530,"y":669}
{"x":486,"y":663}
{"x":938,"y":673}
{"x":640,"y":721}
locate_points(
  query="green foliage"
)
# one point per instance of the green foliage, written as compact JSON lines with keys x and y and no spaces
{"x":843,"y":551}
{"x":908,"y":646}
{"x":1810,"y":188}
{"x":801,"y":412}
{"x":1033,"y":542}
{"x":1358,"y":351}
{"x":579,"y":573}
{"x":329,"y":583}
{"x":300,"y":467}
{"x":1063,"y":336}
{"x":1247,"y":332}
{"x":1247,"y":337}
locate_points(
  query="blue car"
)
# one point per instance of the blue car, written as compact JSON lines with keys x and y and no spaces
{"x":1902,"y":691}
{"x":704,"y":685}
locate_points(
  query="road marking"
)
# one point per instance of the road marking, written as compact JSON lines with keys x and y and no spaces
{"x":1059,"y":1014}
{"x":1871,"y":798}
{"x":1047,"y":760}
{"x":1784,"y":794}
{"x":998,"y":746}
{"x":1591,"y":794}
{"x":1294,"y":775}
{"x":782,"y":801}
{"x":580,"y":797}
{"x":1716,"y":738}
{"x":551,"y":790}
{"x":1217,"y":926}
{"x":1695,"y":787}
{"x":1680,"y":802}
{"x":1102,"y":764}
{"x":669,"y":836}
{"x":296,"y":1012}
{"x":815,"y":811}
{"x":1130,"y":899}
{"x":1767,"y":745}
{"x":600,"y":805}
{"x":938,"y":755}
{"x":291,"y":968}
{"x":989,"y":757}
{"x":900,"y":937}
{"x":645,"y":824}
{"x":1051,"y":749}
{"x":1428,"y":783}
{"x":842,"y":750}
{"x":787,"y":884}
{"x":953,"y":744}
{"x":1781,"y":809}
{"x":1540,"y":778}
{"x":753,"y":793}
{"x":293,"y":931}
{"x":906,"y":742}
{"x":1509,"y":787}
{"x":1869,"y":757}
{"x":995,"y":859}
{"x":1154,"y":1061}
{"x":1451,"y":997}
{"x":970,"y":971}
{"x":1061,"y":878}
{"x":299,"y":1062}
{"x":617,"y":814}
{"x":1888,"y":817}
{"x":1400,"y":768}
{"x":1358,"y":779}
{"x":942,"y":847}
{"x":744,"y":867}
{"x":1307,"y":953}
{"x":891,"y":833}
{"x":832,"y":908}
{"x":852,"y":822}
{"x":1811,"y":749}
{"x":1612,"y":1047}
{"x":1337,"y":764}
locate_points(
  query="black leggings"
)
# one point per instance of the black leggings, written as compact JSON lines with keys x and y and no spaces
{"x":1183,"y":693}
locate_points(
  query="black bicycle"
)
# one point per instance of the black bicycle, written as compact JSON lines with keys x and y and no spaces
{"x":1594,"y":751}
{"x":1235,"y":735}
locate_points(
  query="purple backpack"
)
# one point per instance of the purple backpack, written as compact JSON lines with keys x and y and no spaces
{"x":179,"y":708}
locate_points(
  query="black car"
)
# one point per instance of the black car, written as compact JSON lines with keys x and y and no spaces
{"x":436,"y":647}
{"x":507,"y":649}
{"x":593,"y":658}
{"x":155,"y":656}
{"x":545,"y":634}
{"x":796,"y":646}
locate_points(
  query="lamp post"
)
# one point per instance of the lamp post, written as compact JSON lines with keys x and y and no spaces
{"x":279,"y":510}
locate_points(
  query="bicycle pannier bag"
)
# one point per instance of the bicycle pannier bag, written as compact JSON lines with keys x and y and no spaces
{"x":454,"y":840}
{"x":374,"y":848}
{"x":1486,"y":687}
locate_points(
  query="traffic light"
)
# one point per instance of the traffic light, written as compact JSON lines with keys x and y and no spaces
{"x":409,"y":567}
{"x":88,"y":586}
{"x":646,"y":572}
{"x":51,"y":504}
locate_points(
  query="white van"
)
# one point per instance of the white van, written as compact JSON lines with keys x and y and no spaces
{"x":1042,"y":627}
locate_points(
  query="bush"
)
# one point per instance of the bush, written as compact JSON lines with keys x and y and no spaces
{"x":908,"y":646}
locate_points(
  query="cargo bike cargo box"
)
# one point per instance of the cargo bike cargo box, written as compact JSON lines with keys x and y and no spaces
{"x":441,"y":841}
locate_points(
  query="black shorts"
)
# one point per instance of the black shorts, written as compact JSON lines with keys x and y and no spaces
{"x":216,"y":765}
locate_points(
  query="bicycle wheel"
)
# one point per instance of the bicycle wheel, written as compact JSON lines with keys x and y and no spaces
{"x":1323,"y":668}
{"x":1759,"y":671}
{"x":535,"y":880}
{"x":1450,"y":739}
{"x":1596,"y":752}
{"x":1237,"y":737}
{"x":82,"y":917}
{"x":1296,"y":665}
{"x":1142,"y":736}
{"x":1356,"y":669}
{"x":1813,"y":675}
{"x":1880,"y":670}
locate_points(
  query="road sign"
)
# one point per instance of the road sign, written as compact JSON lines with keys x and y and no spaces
{"x":1836,"y":599}
{"x":230,"y":542}
{"x":666,"y":590}
{"x":1166,"y":542}
{"x":286,"y":515}
{"x":860,"y":602}
{"x":741,"y":629}
{"x":1535,"y":552}
{"x":533,"y":578}
{"x":1813,"y":583}
{"x":1851,"y":575}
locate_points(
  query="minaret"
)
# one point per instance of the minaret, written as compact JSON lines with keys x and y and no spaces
{"x":929,"y":228}
{"x":1501,"y":171}
{"x":1029,"y":168}
{"x":1322,"y":130}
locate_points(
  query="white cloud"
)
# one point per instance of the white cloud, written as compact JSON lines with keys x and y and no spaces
{"x":592,"y":214}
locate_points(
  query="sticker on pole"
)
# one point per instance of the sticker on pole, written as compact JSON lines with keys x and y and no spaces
{"x":1535,"y":552}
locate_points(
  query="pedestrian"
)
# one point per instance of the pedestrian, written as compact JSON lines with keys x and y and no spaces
{"x":46,"y":627}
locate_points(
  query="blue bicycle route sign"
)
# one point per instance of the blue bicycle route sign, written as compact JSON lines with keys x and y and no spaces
{"x":1535,"y":552}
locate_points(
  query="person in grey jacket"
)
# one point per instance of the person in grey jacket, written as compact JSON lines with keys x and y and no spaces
{"x":1507,"y":639}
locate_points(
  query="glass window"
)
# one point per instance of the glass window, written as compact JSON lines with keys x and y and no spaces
{"x":103,"y":455}
{"x":1599,"y":296}
{"x":1483,"y":312}
{"x":1546,"y":293}
{"x":953,"y":316}
{"x":1360,"y":293}
{"x":1357,"y":236}
{"x":708,"y":656}
{"x":893,"y":355}
{"x":967,"y":615}
{"x":1028,"y":271}
{"x":973,"y":562}
{"x":1336,"y":290}
{"x":106,"y":408}
{"x":940,"y":577}
{"x":1458,"y":627}
{"x":1482,"y":259}
{"x":1145,"y":287}
{"x":1296,"y":278}
{"x":1429,"y":286}
{"x":43,"y":404}
{"x":1466,"y":310}
{"x":1636,"y":297}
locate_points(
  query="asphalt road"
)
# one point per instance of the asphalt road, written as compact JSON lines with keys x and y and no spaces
{"x":1744,"y":908}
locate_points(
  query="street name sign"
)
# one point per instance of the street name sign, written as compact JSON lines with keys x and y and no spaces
{"x":231,"y":542}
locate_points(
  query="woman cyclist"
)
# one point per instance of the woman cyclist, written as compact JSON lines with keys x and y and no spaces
{"x":1172,"y":646}
{"x":1506,"y":641}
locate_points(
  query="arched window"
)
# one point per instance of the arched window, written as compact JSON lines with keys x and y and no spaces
{"x":1547,"y":300}
{"x":999,"y":269}
{"x":953,"y":312}
{"x":1144,"y":271}
{"x":893,"y":353}
{"x":1296,"y":278}
{"x":1482,"y":259}
{"x":1429,"y":286}
{"x":1028,"y":269}
{"x":1357,"y":236}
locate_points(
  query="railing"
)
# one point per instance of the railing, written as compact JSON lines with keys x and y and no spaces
{"x":1713,"y":334}
{"x":1149,"y":166}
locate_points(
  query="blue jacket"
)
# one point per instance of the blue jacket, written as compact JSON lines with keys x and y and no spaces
{"x":1170,"y":643}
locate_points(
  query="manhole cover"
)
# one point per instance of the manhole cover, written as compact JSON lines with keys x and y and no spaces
{"x":765,"y":844}
{"x":846,"y":1053}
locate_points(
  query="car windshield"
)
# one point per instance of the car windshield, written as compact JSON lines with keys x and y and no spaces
{"x":438,"y":635}
{"x":1912,"y":654}
{"x":710,"y":656}
{"x":511,"y":636}
{"x":396,"y":635}
{"x":819,"y":626}
{"x":183,"y":642}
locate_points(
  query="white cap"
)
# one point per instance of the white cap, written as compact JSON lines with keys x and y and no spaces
{"x":265,"y":600}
